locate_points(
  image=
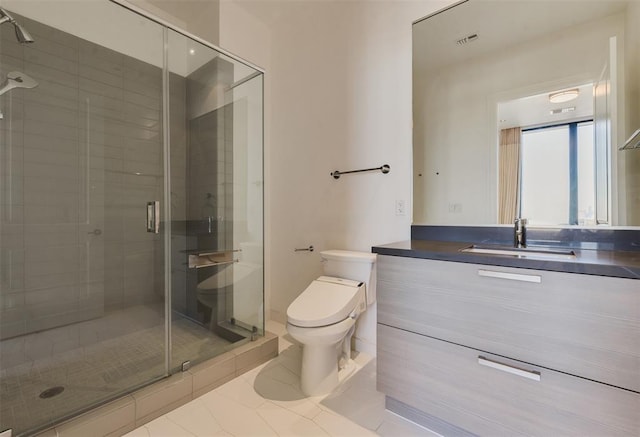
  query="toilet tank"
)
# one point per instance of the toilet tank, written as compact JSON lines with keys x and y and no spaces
{"x":358,"y":266}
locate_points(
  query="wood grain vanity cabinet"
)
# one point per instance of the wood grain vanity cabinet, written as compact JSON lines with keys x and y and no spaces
{"x":505,"y":351}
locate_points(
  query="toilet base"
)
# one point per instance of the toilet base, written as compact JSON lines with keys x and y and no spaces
{"x":319,"y":373}
{"x":321,"y":350}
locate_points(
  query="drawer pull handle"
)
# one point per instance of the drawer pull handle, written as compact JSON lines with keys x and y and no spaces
{"x":529,"y":374}
{"x":511,"y":276}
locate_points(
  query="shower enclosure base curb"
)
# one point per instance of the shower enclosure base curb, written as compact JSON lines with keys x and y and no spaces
{"x":123,"y":415}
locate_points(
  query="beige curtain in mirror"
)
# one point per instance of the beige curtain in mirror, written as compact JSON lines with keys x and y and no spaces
{"x":509,"y":171}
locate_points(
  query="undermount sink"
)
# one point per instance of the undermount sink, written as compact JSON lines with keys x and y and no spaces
{"x":525,"y":252}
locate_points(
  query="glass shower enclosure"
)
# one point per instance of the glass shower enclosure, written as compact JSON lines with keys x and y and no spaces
{"x":131,"y":205}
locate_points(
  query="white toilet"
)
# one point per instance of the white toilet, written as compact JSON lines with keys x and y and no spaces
{"x":323,"y":317}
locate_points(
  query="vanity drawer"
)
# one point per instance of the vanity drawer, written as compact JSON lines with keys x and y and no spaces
{"x":499,"y":396}
{"x":579,"y":324}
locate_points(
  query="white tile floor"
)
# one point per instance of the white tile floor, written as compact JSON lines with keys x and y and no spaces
{"x":267,"y":401}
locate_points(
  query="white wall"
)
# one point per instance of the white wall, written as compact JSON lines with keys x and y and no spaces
{"x":338,"y":97}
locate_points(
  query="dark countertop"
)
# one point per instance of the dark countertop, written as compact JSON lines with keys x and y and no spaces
{"x":614,"y":263}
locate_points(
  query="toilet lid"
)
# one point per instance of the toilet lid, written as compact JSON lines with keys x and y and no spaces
{"x":324,"y":302}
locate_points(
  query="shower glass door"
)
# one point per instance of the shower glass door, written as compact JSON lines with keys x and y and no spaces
{"x":131,"y":206}
{"x":216,"y":207}
{"x":82,"y":297}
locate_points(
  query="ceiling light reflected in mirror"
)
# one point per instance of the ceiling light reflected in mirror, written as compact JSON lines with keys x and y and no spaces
{"x":564,"y":96}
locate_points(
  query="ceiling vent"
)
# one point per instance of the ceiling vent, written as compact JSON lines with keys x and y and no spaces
{"x":466,"y":39}
{"x":562,"y":110}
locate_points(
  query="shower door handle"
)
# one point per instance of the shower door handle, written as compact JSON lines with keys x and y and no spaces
{"x":153,"y":217}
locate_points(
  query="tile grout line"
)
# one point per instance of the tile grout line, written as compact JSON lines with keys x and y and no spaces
{"x":166,"y":416}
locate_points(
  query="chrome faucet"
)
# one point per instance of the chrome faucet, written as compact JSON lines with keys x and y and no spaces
{"x":520,"y":232}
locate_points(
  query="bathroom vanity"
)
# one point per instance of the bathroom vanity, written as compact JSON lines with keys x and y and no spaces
{"x":479,"y":339}
{"x":509,"y":345}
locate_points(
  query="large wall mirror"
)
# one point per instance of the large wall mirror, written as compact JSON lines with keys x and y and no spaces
{"x":520,"y":109}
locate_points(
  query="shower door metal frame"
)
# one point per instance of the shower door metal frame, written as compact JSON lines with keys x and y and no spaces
{"x":166,"y":150}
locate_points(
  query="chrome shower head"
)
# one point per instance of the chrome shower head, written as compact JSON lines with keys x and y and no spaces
{"x":23,"y":36}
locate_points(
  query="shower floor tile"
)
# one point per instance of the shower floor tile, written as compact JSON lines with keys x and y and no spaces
{"x":93,"y":361}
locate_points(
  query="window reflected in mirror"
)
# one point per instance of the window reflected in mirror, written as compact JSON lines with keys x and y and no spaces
{"x":547,"y":158}
{"x":557,"y":175}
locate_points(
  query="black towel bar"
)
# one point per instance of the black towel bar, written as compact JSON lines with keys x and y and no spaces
{"x":384,"y":169}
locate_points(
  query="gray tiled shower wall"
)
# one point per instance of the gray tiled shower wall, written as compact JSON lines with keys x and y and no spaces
{"x":80,"y":156}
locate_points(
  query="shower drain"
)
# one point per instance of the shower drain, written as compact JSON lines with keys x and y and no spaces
{"x":51,"y":392}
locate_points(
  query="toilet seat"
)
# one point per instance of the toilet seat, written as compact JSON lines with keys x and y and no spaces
{"x":328,"y":335}
{"x":325,"y":301}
